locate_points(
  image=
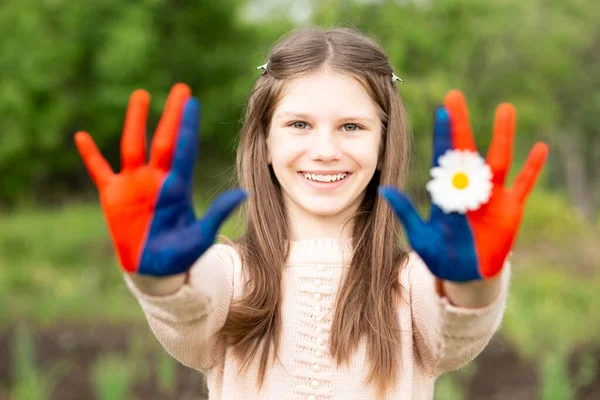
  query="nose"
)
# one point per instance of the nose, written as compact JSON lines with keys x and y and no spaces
{"x":325,"y":147}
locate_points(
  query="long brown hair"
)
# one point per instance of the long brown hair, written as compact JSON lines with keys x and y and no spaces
{"x":367,"y":301}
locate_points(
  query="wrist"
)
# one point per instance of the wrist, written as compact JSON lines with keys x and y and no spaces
{"x":473,"y":294}
{"x":159,"y":286}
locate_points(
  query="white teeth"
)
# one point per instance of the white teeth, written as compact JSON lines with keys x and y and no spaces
{"x":324,"y":178}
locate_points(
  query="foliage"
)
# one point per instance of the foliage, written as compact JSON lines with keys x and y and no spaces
{"x":542,"y":56}
{"x":68,"y":66}
{"x":84,"y":59}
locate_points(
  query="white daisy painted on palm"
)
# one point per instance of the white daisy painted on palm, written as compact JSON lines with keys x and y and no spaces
{"x":461,"y":182}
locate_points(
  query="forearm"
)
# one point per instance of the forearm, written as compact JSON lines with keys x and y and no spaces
{"x":183,"y":322}
{"x":186,"y":310}
{"x":451,"y":329}
{"x":474,"y":294}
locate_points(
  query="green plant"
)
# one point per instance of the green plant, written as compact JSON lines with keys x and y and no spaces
{"x":451,"y":385}
{"x":29,"y":384}
{"x":550,"y":311}
{"x":555,"y":382}
{"x":112,"y":376}
{"x":166,"y":372}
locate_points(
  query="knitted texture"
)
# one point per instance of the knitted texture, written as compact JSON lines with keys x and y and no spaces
{"x":436,"y":336}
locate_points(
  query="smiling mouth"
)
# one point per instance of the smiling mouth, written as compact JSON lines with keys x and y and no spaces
{"x":325,"y":178}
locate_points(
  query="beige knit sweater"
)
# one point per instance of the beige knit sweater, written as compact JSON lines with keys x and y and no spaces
{"x":437,"y":336}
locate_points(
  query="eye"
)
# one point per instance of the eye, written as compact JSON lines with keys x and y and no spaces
{"x":299,"y":125}
{"x":351,"y":127}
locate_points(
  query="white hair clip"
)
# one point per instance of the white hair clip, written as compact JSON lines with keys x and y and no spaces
{"x":395,"y":78}
{"x":263,"y":67}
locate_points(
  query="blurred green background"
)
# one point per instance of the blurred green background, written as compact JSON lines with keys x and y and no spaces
{"x":69,"y":329}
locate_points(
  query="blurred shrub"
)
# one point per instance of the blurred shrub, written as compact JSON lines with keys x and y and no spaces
{"x":551,"y":314}
{"x":549,"y":216}
{"x":72,"y":65}
{"x":551,"y":311}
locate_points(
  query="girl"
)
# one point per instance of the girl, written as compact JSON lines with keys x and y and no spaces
{"x":318,"y":299}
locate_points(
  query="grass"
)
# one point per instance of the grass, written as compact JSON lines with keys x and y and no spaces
{"x":29,"y":383}
{"x":59,"y":265}
{"x":113,"y":377}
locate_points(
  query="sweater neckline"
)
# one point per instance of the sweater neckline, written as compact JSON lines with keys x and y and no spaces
{"x":323,"y":251}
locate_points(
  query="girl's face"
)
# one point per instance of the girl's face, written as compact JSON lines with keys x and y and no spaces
{"x":323,"y":144}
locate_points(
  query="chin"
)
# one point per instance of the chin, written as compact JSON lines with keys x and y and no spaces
{"x":321,"y":212}
{"x":322,"y":209}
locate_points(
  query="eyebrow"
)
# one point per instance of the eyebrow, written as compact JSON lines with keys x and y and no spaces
{"x":291,"y":114}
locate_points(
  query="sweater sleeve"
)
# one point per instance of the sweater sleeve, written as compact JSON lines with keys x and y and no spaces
{"x":448,"y":337}
{"x":186,"y":321}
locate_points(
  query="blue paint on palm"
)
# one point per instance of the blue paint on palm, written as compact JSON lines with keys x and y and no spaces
{"x":446,"y":242}
{"x":176,"y":239}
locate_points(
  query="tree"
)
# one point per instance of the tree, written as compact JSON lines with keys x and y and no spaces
{"x":68,"y":66}
{"x":541,"y":55}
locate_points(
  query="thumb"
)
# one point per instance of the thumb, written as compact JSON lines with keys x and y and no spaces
{"x":221,"y":208}
{"x":404,"y":209}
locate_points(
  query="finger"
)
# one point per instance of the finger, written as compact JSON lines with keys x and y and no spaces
{"x":163,"y":143}
{"x":133,"y":142}
{"x":531,"y":171}
{"x":97,"y":166}
{"x":499,"y":156}
{"x":405,"y":211}
{"x":186,"y":147}
{"x":462,"y":135}
{"x":442,"y":136}
{"x":221,"y":208}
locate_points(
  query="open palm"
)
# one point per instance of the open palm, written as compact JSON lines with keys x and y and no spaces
{"x":473,"y":245}
{"x":148,"y":207}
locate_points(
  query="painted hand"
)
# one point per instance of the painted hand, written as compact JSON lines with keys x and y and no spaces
{"x":471,"y":230}
{"x":148,"y":207}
